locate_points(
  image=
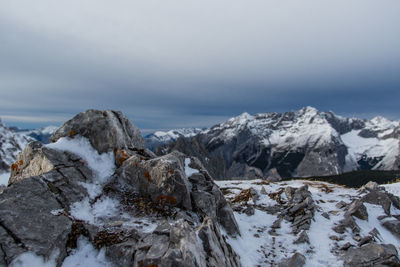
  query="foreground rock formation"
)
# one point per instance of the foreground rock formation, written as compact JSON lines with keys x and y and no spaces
{"x":96,"y":188}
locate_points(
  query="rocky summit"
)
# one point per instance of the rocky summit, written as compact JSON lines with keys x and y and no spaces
{"x":96,"y":197}
{"x":303,"y":143}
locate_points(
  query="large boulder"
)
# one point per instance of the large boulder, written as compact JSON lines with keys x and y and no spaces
{"x":105,"y":130}
{"x":372,"y":255}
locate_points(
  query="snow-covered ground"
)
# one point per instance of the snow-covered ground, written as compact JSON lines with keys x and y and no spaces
{"x":257,"y":247}
{"x":4,"y":178}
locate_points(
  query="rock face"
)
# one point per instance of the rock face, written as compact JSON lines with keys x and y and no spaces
{"x":372,"y":255}
{"x":160,"y":138}
{"x":105,"y":130}
{"x":302,"y":143}
{"x":141,"y":210}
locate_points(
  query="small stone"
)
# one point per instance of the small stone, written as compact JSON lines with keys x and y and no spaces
{"x":325,"y":215}
{"x":341,"y":204}
{"x":249,"y":211}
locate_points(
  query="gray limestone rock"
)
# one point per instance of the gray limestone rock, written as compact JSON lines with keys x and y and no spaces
{"x":105,"y":130}
{"x":378,"y":198}
{"x":27,"y":222}
{"x":297,"y":260}
{"x":371,"y":255}
{"x":393,"y":226}
{"x":357,"y":208}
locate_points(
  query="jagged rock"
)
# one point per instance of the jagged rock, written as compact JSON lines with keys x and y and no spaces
{"x":37,"y":159}
{"x":371,"y":255}
{"x":393,"y":226}
{"x":273,"y":175}
{"x":303,"y":238}
{"x":297,"y":260}
{"x":357,"y":208}
{"x":341,"y":204}
{"x":26,"y":221}
{"x":37,"y":213}
{"x":378,"y":198}
{"x":347,"y":222}
{"x":300,"y":208}
{"x":105,"y":130}
{"x":325,"y":215}
{"x":249,"y":211}
{"x":371,"y":186}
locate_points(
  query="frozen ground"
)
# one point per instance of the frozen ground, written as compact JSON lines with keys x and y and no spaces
{"x":257,"y":247}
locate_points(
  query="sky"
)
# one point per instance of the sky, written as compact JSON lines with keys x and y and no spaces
{"x":169,"y":64}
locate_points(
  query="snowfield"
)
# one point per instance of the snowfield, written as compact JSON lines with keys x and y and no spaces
{"x":257,"y":247}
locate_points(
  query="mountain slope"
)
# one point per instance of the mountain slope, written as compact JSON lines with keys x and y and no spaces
{"x":11,"y":143}
{"x":302,"y":143}
{"x":159,"y":138}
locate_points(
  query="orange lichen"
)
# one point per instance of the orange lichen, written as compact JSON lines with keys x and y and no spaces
{"x":121,"y":160}
{"x":166,"y":199}
{"x":149,"y":265}
{"x":171,"y":172}
{"x":123,"y":153}
{"x":71,"y":133}
{"x":14,"y":167}
{"x":147,"y":175}
{"x":20,"y":162}
{"x":115,"y":150}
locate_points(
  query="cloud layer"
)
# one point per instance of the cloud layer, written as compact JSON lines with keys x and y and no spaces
{"x":176,"y":63}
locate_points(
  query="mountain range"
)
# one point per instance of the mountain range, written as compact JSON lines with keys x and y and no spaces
{"x":300,"y":143}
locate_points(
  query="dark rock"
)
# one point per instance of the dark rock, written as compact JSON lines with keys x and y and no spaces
{"x":393,"y":226}
{"x":341,"y":204}
{"x":297,"y":260}
{"x":371,"y":255}
{"x":249,"y":211}
{"x":357,"y":209}
{"x":325,"y":215}
{"x":346,"y":246}
{"x":26,"y":221}
{"x":378,"y":198}
{"x":303,"y":238}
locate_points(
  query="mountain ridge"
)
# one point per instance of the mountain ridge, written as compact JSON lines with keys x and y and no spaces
{"x":302,"y":143}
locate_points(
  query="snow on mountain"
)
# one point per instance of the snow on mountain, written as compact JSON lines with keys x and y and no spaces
{"x":42,"y":134}
{"x":271,"y":235}
{"x":11,"y":143}
{"x":306,"y":142}
{"x":161,"y":138}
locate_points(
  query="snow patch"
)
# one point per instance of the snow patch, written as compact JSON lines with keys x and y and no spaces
{"x":189,"y":171}
{"x":103,"y":209}
{"x":30,"y":259}
{"x":102,"y":165}
{"x":86,"y":255}
{"x":4,"y":178}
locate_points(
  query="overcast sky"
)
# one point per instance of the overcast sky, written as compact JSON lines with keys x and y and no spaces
{"x":170,"y":63}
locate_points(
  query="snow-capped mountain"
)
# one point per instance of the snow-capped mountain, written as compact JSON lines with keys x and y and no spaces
{"x":11,"y":143}
{"x":159,"y":138}
{"x":42,"y":134}
{"x":301,"y":143}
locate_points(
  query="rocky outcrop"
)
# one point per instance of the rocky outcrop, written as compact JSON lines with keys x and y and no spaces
{"x":297,"y":144}
{"x":372,"y":255}
{"x":105,"y":130}
{"x":142,"y":210}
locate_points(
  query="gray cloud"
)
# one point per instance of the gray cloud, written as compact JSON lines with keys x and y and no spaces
{"x":172,"y":64}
